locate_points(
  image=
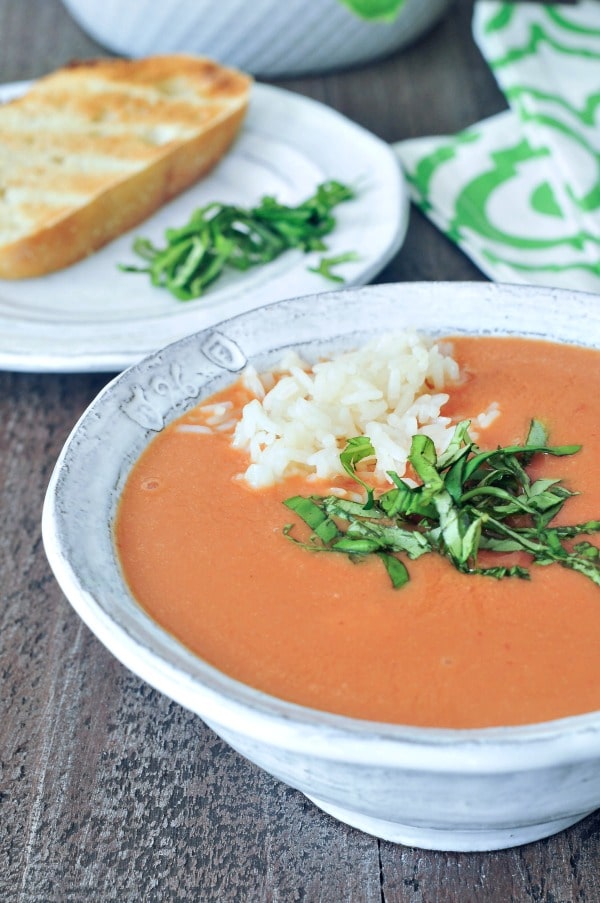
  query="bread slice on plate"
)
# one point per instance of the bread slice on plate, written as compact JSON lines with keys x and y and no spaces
{"x":95,"y":148}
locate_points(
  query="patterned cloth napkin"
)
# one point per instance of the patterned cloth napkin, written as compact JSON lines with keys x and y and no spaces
{"x":520,"y":191}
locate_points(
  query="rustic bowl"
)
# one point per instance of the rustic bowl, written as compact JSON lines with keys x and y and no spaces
{"x":440,"y":789}
{"x":263,"y":37}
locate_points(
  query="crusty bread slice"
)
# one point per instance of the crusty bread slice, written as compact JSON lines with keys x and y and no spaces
{"x":95,"y":148}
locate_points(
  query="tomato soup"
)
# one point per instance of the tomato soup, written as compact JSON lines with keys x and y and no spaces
{"x":207,"y":558}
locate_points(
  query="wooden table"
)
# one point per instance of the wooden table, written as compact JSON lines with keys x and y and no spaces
{"x":109,"y":791}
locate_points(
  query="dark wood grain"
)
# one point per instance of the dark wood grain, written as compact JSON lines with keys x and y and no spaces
{"x":108,"y":790}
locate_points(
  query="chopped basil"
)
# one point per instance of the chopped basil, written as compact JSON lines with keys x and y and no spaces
{"x":223,"y":236}
{"x":468,"y":500}
{"x":326,"y":264}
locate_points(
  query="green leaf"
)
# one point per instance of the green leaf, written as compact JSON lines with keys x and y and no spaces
{"x":346,"y":509}
{"x":313,"y":516}
{"x":356,"y":546}
{"x":590,"y":526}
{"x":537,"y":434}
{"x":423,"y":458}
{"x":453,"y":528}
{"x":458,"y":447}
{"x":500,"y":572}
{"x":585,"y":562}
{"x":527,"y":450}
{"x":405,"y":501}
{"x":356,"y":450}
{"x":326,"y":264}
{"x":397,"y":571}
{"x":391,"y":538}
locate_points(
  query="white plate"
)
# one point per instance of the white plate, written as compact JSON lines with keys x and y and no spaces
{"x":92,"y":317}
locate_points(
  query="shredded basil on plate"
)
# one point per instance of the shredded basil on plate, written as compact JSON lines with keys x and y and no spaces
{"x":220,"y":237}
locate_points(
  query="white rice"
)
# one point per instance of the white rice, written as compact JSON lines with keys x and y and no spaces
{"x":301,"y":417}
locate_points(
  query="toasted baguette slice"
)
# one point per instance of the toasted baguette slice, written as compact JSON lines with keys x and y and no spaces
{"x":95,"y":148}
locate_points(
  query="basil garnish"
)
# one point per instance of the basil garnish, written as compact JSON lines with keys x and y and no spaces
{"x":467,"y":501}
{"x":223,"y":236}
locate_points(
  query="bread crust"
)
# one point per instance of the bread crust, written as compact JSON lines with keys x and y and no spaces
{"x":194,"y":104}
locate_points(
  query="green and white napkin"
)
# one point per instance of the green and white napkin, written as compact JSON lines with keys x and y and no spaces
{"x":520,"y":191}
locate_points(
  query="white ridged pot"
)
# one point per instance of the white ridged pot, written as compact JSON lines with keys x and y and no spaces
{"x":436,"y":788}
{"x":263,"y":37}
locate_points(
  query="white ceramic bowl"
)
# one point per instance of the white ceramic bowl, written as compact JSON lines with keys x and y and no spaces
{"x":263,"y":37}
{"x":441,"y":789}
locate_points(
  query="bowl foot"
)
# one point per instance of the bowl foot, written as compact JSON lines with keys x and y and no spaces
{"x":447,"y":839}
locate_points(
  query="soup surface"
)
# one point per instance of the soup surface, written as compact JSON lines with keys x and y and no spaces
{"x":206,"y":556}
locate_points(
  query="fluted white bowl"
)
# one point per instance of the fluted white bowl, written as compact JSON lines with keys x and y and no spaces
{"x":263,"y":37}
{"x":436,"y":788}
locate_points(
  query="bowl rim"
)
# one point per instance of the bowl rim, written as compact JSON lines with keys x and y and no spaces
{"x":222,"y":701}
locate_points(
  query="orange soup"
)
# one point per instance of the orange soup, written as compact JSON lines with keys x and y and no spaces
{"x":207,"y":558}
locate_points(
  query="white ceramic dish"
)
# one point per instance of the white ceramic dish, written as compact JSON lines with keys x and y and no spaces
{"x":92,"y":317}
{"x":265,"y":37}
{"x":441,"y":789}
